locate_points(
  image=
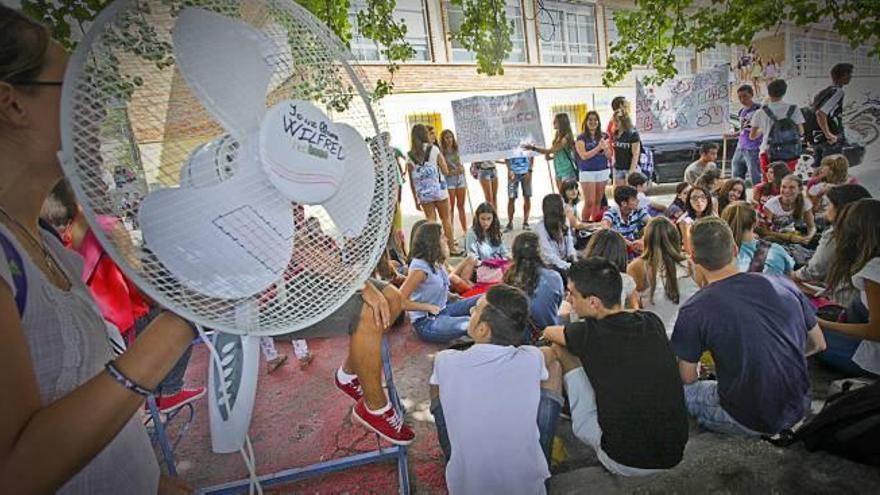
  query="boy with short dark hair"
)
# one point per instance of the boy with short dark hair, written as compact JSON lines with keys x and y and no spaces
{"x":759,"y":329}
{"x":495,"y":405}
{"x":708,"y":155}
{"x":639,"y":181}
{"x":519,"y":175}
{"x":621,"y":377}
{"x":746,"y":162}
{"x":829,"y":113}
{"x":627,"y":218}
{"x":777,"y":113}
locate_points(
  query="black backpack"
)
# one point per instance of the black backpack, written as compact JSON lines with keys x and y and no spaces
{"x":847,"y":426}
{"x":784,"y":138}
{"x":811,"y":123}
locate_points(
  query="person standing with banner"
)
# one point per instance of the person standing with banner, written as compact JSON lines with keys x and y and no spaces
{"x":561,"y":151}
{"x":456,"y":183}
{"x":593,"y":154}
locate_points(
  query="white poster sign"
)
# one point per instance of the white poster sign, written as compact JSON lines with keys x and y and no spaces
{"x":685,"y":107}
{"x":495,"y":127}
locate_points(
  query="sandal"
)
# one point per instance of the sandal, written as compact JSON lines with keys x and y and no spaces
{"x":272,"y":365}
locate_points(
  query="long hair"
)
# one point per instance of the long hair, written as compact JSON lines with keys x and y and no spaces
{"x":428,"y":244}
{"x":554,"y":216}
{"x":780,"y":171}
{"x":412,"y":237}
{"x":493,"y":234}
{"x":799,"y":201}
{"x":597,"y":134}
{"x":857,"y":240}
{"x":663,"y":256}
{"x":709,"y":203}
{"x":569,"y":185}
{"x":741,"y":217}
{"x":418,"y":141}
{"x":680,"y":188}
{"x":563,"y":130}
{"x":724,"y":192}
{"x":453,"y":148}
{"x":838,"y":168}
{"x":525,"y":270}
{"x":610,"y":245}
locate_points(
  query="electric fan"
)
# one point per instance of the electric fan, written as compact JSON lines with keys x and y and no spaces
{"x":255,"y":126}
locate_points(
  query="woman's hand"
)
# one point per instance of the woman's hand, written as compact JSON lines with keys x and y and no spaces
{"x":377,"y":302}
{"x":432,"y":309}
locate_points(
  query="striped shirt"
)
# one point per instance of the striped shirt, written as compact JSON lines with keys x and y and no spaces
{"x":630,"y":228}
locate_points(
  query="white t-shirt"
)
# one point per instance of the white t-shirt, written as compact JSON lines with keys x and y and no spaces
{"x":783,"y":220}
{"x":761,"y":121}
{"x":644,"y":201}
{"x":490,"y":396}
{"x":868,"y":353}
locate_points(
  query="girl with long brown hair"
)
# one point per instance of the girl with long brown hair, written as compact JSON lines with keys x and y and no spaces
{"x":664,"y":276}
{"x":731,"y":190}
{"x":425,"y":293}
{"x":456,"y":183}
{"x":593,"y":151}
{"x":857,"y":236}
{"x":742,"y":219}
{"x":545,"y":287}
{"x":428,"y":170}
{"x":789,"y":216}
{"x":612,"y":246}
{"x":561,"y":151}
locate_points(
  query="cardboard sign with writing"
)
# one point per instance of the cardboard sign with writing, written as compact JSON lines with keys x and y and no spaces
{"x":684,"y":107}
{"x":495,"y":127}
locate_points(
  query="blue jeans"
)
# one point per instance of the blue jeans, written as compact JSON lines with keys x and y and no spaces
{"x":704,"y":404}
{"x":450,"y":324}
{"x":841,"y":347}
{"x":747,"y":162}
{"x":548,"y":418}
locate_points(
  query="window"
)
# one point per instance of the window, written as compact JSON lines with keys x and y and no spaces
{"x":577,"y":112}
{"x":455,"y":17}
{"x":611,"y":34}
{"x":685,"y":61}
{"x":425,"y":118}
{"x":412,"y":12}
{"x":815,"y":57}
{"x":713,"y":57}
{"x":568,"y":34}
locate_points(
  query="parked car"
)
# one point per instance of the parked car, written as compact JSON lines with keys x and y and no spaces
{"x":672,"y":156}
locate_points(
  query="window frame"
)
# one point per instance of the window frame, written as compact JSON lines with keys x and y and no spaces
{"x":446,"y":8}
{"x":575,"y":9}
{"x":429,"y":48}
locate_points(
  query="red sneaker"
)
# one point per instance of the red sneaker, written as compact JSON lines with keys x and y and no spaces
{"x":352,"y":389}
{"x":169,"y":403}
{"x":388,"y":425}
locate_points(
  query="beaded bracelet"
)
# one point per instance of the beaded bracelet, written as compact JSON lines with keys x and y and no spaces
{"x":125,"y":381}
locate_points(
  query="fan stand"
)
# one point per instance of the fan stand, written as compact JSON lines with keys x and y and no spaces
{"x":394,"y":452}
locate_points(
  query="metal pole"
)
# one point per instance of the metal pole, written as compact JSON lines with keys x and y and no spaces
{"x":723,"y":156}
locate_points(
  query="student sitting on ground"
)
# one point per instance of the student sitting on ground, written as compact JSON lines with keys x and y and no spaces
{"x":768,"y":189}
{"x":495,"y":405}
{"x":730,"y":191}
{"x":483,"y":240}
{"x":460,"y":274}
{"x":816,"y":270}
{"x":708,"y":155}
{"x":678,"y":207}
{"x":700,"y":203}
{"x":710,"y":181}
{"x":833,"y":171}
{"x":627,"y":219}
{"x":426,"y":289}
{"x":610,"y":245}
{"x":754,"y":255}
{"x":759,"y":330}
{"x":660,"y":293}
{"x":857,"y":238}
{"x":639,"y":181}
{"x":788,"y":220}
{"x":620,"y":376}
{"x":557,"y":245}
{"x":580,"y":231}
{"x":544,"y":287}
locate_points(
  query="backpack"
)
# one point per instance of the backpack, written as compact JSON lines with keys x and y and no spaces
{"x":847,"y":426}
{"x":811,"y":122}
{"x":646,"y":161}
{"x":783,"y":139}
{"x":427,"y":179}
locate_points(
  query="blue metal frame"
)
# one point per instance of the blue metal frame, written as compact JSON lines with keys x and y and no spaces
{"x":394,"y":452}
{"x":159,"y":432}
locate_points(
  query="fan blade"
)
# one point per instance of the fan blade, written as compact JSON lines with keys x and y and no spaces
{"x":350,"y":206}
{"x":301,"y":152}
{"x":224,"y":62}
{"x":230,"y":240}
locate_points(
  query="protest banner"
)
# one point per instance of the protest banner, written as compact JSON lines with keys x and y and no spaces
{"x":691,"y":107}
{"x":495,"y":127}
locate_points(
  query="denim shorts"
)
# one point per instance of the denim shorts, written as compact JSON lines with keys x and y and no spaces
{"x":593,"y":176}
{"x":455,"y":181}
{"x":513,"y":186}
{"x":621,"y":174}
{"x":488,"y":174}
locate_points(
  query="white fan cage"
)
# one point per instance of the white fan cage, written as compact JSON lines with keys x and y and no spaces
{"x":119,"y":146}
